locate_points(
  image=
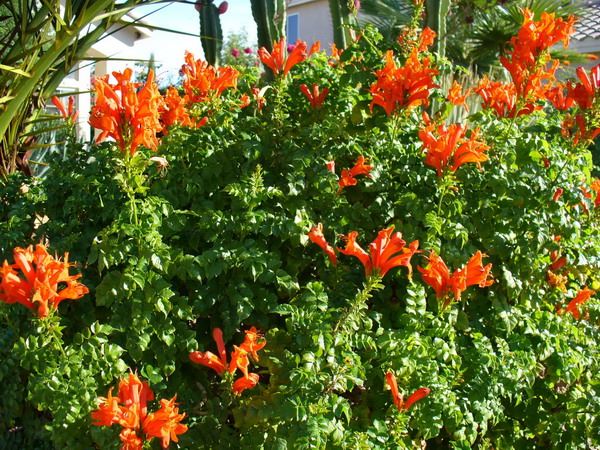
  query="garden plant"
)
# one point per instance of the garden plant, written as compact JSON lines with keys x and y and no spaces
{"x":329,"y":259}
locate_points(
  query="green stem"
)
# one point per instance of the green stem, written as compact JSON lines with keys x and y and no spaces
{"x":373,"y":283}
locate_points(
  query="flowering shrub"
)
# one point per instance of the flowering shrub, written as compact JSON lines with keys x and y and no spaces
{"x":240,"y":234}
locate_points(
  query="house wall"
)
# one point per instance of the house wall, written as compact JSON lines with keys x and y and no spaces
{"x":314,"y":21}
{"x":120,"y":42}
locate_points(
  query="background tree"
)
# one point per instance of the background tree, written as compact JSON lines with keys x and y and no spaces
{"x":238,"y":50}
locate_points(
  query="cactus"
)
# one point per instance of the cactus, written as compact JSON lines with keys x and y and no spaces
{"x":211,"y":33}
{"x":437,"y":10}
{"x":270,"y":17}
{"x":342,"y":14}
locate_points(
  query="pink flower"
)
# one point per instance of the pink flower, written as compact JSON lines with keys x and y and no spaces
{"x":248,"y":51}
{"x":235,"y":52}
{"x":290,"y":48}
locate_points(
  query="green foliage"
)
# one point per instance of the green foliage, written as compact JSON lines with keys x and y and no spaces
{"x":219,"y":239}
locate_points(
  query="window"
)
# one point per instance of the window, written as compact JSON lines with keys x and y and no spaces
{"x":293,"y":34}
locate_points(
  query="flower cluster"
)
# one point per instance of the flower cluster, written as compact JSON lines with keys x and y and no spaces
{"x":315,"y":97}
{"x":404,"y":87}
{"x":450,"y":148}
{"x":529,"y":64}
{"x":203,"y":81}
{"x":586,"y":96}
{"x":277,"y":60}
{"x":130,"y":410}
{"x":239,"y":358}
{"x":347,"y":177}
{"x":71,"y":114}
{"x":573,"y":306}
{"x":438,"y":276}
{"x":131,"y":118}
{"x":399,"y":398}
{"x":387,"y":251}
{"x":38,"y":285}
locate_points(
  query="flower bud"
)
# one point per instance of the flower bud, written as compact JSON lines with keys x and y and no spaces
{"x":223,"y":8}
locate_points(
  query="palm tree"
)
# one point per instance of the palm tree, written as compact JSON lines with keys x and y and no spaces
{"x":476,"y":31}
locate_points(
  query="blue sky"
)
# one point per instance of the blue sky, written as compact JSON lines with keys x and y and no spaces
{"x":169,"y":48}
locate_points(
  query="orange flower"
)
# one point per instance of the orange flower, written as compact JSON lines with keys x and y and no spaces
{"x":455,"y":97}
{"x":573,"y":306}
{"x":403,"y":87}
{"x":315,"y":98}
{"x":316,"y":235}
{"x":217,"y":363}
{"x":502,"y":98}
{"x":399,"y":398}
{"x":130,"y":439}
{"x":360,"y":168}
{"x":174,"y":111}
{"x":251,"y":342}
{"x":239,"y":358}
{"x":132,"y":415}
{"x":39,"y":283}
{"x":584,"y":93}
{"x":245,"y":383}
{"x":438,"y":276}
{"x":71,"y":114}
{"x":165,"y":423}
{"x":557,"y":97}
{"x":347,"y":176}
{"x":277,"y":61}
{"x":346,"y":180}
{"x":451,"y":149}
{"x":528,"y":59}
{"x":131,"y":119}
{"x":203,"y":81}
{"x":315,"y":48}
{"x":386,"y":252}
{"x":336,"y":55}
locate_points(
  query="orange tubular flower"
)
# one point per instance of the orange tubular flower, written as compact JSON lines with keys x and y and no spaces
{"x":455,"y":97}
{"x":203,"y":81}
{"x":403,"y":87}
{"x":38,"y":285}
{"x":277,"y":61}
{"x":557,"y":97}
{"x":315,"y":48}
{"x":71,"y":114}
{"x":438,"y":276}
{"x":165,"y":423}
{"x":573,"y":306}
{"x":530,"y":53}
{"x":132,"y":415}
{"x":584,"y":93}
{"x":217,"y":363}
{"x":360,"y":168}
{"x":245,"y":383}
{"x":239,"y":358}
{"x":386,"y":252}
{"x":315,"y":98}
{"x":347,"y":177}
{"x":502,"y":98}
{"x":174,"y":111}
{"x":399,"y":398}
{"x":451,"y":149}
{"x":316,"y":235}
{"x":131,"y":119}
{"x":251,"y":342}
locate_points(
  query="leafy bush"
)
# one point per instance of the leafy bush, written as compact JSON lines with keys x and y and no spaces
{"x":222,"y":235}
